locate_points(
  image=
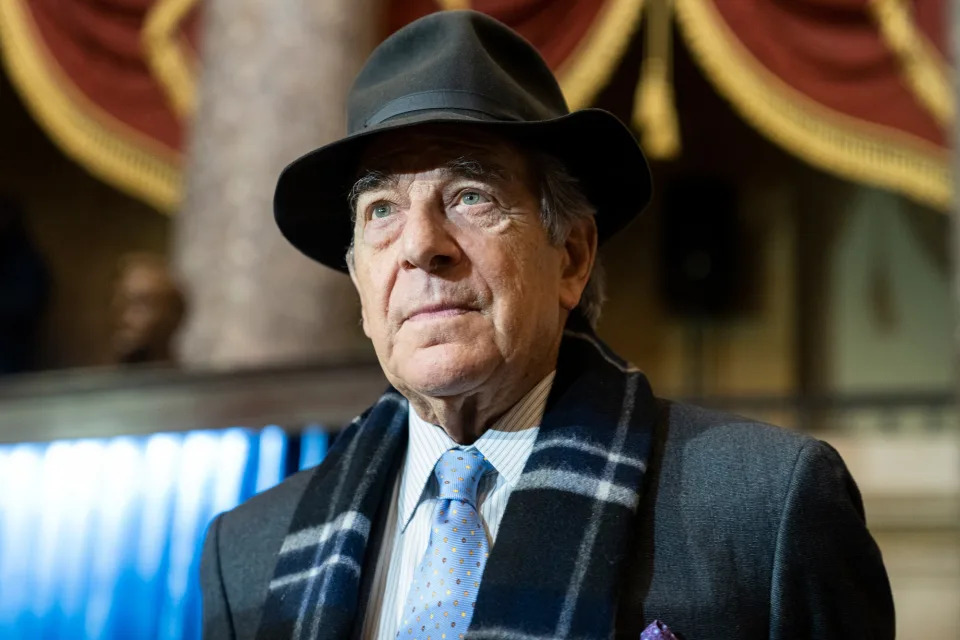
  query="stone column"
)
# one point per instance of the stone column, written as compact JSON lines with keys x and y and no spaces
{"x":275,"y":78}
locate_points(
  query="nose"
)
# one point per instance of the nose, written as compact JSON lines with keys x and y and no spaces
{"x":426,"y":242}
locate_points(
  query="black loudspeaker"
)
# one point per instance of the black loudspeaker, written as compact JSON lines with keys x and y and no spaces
{"x":699,"y":247}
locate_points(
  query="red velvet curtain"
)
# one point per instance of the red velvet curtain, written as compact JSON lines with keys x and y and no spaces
{"x":111,"y":83}
{"x":857,"y":87}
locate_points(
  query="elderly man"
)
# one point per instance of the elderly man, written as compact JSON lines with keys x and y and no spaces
{"x":519,"y":480}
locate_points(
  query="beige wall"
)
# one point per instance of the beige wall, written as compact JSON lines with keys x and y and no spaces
{"x":849,"y":291}
{"x":750,"y":352}
{"x":890,"y":318}
{"x":911,"y":491}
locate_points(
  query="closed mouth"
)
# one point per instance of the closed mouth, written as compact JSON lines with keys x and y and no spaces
{"x":439,"y":311}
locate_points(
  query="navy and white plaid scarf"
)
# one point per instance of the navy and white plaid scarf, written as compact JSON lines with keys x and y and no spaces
{"x":555,"y":569}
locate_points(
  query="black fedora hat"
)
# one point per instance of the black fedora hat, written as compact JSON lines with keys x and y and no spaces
{"x":459,"y":67}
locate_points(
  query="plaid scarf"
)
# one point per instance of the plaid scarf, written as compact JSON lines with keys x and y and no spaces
{"x":555,"y":569}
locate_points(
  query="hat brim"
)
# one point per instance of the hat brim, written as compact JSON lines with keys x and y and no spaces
{"x":311,"y":201}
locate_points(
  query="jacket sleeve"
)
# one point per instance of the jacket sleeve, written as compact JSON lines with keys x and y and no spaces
{"x":217,"y":621}
{"x":828,"y":580}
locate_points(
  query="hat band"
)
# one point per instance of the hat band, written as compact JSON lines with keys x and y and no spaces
{"x":440,"y":100}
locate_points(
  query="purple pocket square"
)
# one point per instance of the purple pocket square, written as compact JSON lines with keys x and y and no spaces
{"x":657,"y":631}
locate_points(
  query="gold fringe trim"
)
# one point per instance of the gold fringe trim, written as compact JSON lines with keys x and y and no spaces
{"x":838,"y":143}
{"x":654,"y":107}
{"x":108,"y":148}
{"x":167,"y":54}
{"x":926,"y":73}
{"x":589,"y":66}
{"x":453,"y":5}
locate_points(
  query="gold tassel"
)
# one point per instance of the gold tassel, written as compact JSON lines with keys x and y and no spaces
{"x":654,"y":110}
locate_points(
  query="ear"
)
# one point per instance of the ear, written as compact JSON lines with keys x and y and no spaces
{"x":363,"y":308}
{"x":579,"y":254}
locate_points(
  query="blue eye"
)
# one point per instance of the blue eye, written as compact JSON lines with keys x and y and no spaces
{"x":381,"y":210}
{"x":471,"y":198}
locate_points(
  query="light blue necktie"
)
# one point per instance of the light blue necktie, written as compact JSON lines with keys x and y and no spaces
{"x":444,"y":588}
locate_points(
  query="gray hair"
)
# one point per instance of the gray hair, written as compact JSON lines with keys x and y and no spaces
{"x":562,"y":204}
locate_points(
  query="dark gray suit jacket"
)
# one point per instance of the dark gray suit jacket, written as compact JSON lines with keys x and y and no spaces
{"x":745,"y":531}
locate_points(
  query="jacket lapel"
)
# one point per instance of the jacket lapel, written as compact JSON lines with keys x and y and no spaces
{"x":554,"y":570}
{"x":315,"y":589}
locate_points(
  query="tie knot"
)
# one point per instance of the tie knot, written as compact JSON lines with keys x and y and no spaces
{"x":458,"y":472}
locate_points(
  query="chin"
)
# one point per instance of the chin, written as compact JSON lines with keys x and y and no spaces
{"x":446,"y":369}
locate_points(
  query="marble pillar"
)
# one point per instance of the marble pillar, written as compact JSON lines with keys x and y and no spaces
{"x":275,"y":78}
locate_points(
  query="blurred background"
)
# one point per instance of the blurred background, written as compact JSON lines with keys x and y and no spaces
{"x":164,"y":354}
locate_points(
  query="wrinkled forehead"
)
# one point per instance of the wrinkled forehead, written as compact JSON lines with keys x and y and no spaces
{"x":442,"y":146}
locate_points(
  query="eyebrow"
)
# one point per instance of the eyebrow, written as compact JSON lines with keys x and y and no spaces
{"x":469,"y":167}
{"x":369,"y":180}
{"x":476,"y":169}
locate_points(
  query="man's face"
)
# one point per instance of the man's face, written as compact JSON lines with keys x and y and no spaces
{"x":146,"y":311}
{"x":457,"y":278}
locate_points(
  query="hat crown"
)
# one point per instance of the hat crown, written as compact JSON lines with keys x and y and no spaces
{"x":459,"y":61}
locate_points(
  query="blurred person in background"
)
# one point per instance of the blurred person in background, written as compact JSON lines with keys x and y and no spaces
{"x":148,"y":307}
{"x":519,"y":479}
{"x":24,"y":287}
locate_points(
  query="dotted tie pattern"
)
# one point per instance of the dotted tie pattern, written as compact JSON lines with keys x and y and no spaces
{"x":444,"y":589}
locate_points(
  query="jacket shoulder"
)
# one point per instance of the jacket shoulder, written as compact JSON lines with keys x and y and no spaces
{"x":718,"y":435}
{"x":248,"y":538}
{"x":716,"y":467}
{"x":717,"y":496}
{"x":268,"y":514}
{"x":242,"y":545}
{"x":252,"y":522}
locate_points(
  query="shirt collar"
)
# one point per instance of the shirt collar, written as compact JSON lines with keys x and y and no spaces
{"x":506,"y":445}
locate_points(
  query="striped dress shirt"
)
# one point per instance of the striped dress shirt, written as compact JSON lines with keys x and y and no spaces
{"x":506,"y":445}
